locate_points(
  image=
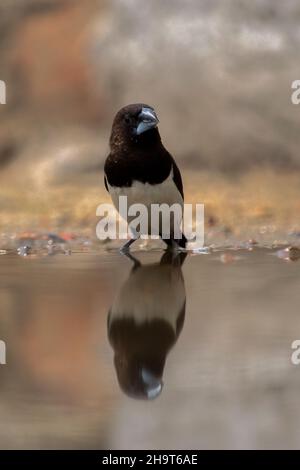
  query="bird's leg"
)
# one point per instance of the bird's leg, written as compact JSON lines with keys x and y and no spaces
{"x":181,"y":242}
{"x":126,"y":247}
{"x":136,"y":262}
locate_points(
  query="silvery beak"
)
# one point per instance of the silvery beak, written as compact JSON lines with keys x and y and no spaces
{"x":147,"y":120}
{"x":152,"y":383}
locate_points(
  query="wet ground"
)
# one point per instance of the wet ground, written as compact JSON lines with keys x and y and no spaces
{"x":157,"y":352}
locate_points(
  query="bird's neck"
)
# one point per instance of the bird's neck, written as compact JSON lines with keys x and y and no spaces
{"x":149,"y":141}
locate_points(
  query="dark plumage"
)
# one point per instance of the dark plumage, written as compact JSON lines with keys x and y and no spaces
{"x":138,"y":165}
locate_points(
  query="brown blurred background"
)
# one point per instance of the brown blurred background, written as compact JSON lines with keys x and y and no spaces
{"x":218,"y":73}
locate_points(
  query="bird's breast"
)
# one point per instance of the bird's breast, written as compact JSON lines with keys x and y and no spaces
{"x":148,"y":194}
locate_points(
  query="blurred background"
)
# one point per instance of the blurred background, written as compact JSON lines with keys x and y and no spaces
{"x":218,"y":73}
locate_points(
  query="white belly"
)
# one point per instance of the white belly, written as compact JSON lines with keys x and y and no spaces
{"x":148,"y":194}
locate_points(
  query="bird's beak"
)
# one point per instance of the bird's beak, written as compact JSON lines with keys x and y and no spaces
{"x":152,"y":383}
{"x":147,"y":120}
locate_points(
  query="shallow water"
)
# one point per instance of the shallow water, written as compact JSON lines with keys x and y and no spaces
{"x":217,"y":370}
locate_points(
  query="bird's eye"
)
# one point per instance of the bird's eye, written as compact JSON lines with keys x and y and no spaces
{"x":127,"y":119}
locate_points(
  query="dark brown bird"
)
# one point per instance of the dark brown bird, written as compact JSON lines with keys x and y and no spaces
{"x":140,"y":167}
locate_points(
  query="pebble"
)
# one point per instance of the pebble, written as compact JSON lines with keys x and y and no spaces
{"x":291,"y":253}
{"x":24,"y":250}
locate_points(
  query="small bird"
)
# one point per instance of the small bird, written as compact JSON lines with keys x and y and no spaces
{"x":143,"y":330}
{"x":140,"y":168}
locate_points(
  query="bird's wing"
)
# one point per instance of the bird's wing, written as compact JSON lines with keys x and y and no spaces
{"x":177,"y":179}
{"x":105,"y":182}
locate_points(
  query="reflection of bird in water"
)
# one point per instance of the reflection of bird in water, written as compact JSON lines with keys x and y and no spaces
{"x":144,"y":323}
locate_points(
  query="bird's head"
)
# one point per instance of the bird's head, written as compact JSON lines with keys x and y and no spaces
{"x":134,"y":123}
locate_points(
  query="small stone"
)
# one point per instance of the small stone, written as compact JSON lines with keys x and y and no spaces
{"x":24,"y":250}
{"x":201,"y":251}
{"x":291,"y":253}
{"x":227,"y":258}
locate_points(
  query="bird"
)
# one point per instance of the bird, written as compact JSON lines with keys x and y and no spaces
{"x":142,"y":330}
{"x":140,"y":168}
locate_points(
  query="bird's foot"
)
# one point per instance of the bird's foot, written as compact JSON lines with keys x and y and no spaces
{"x":126,"y":247}
{"x":136,"y":262}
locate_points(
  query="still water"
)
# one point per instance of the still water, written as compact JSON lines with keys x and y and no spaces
{"x":107,"y":352}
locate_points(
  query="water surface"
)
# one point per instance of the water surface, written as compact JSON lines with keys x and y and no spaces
{"x":104,"y":352}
